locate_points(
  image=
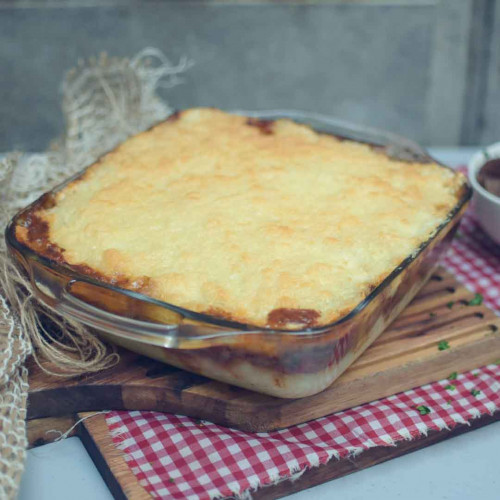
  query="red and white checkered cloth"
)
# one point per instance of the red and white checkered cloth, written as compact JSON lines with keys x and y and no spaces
{"x":474,"y":259}
{"x":179,"y":457}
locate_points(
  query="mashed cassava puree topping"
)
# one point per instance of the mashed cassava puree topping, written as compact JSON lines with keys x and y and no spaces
{"x":264,"y":223}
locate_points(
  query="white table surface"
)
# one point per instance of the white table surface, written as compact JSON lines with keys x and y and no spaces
{"x":463,"y":468}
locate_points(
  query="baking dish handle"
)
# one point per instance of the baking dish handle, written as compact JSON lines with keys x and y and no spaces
{"x":171,"y":332}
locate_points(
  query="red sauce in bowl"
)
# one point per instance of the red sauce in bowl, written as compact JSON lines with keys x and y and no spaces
{"x":489,"y":176}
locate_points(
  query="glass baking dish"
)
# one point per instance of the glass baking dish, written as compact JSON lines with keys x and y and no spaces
{"x":283,"y":363}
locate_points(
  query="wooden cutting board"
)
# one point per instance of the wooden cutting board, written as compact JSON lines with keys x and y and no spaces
{"x":124,"y":485}
{"x":404,"y":356}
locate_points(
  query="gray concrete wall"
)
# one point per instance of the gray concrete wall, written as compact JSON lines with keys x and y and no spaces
{"x":400,"y":65}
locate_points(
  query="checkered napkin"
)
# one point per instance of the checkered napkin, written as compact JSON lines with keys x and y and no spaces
{"x":474,"y":259}
{"x":179,"y":457}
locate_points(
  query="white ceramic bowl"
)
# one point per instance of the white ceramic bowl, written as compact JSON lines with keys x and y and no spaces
{"x":486,"y":205}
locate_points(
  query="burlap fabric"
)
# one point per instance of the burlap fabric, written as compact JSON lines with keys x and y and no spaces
{"x":104,"y":101}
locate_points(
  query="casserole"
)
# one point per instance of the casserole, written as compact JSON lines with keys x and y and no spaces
{"x":83,"y":244}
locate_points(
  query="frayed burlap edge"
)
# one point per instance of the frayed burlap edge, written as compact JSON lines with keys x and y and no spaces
{"x":104,"y":101}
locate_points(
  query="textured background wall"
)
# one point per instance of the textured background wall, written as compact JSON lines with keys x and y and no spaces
{"x":425,"y":69}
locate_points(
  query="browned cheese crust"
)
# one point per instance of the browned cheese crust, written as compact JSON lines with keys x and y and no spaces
{"x":266,"y":223}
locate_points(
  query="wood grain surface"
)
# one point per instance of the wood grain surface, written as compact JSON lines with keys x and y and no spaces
{"x":47,"y":430}
{"x":109,"y":460}
{"x":406,"y":355}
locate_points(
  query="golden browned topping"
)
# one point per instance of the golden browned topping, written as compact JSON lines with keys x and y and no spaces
{"x":269,"y":223}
